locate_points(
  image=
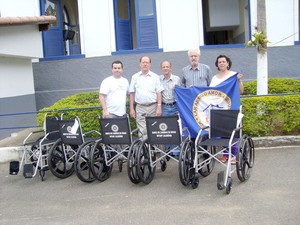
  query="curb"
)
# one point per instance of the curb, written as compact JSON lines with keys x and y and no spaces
{"x":15,"y":152}
{"x":10,"y":153}
{"x":265,"y":142}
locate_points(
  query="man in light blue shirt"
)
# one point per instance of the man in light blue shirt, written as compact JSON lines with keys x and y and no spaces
{"x":169,"y":106}
{"x":168,"y":81}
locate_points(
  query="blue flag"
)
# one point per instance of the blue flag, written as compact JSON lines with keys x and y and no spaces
{"x":194,"y":103}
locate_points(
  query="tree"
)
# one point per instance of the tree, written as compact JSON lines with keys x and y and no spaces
{"x":260,"y":41}
{"x":262,"y":56}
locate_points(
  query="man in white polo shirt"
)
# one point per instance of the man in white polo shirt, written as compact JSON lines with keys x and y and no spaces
{"x":113,"y":92}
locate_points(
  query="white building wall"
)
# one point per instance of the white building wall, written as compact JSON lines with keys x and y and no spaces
{"x":281,"y":19}
{"x":96,"y":25}
{"x":19,"y":8}
{"x":15,"y":77}
{"x":180,"y":24}
{"x":21,"y":41}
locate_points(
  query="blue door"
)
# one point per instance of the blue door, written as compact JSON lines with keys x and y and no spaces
{"x":135,"y":24}
{"x":123,"y":24}
{"x":52,"y":39}
{"x":146,"y":25}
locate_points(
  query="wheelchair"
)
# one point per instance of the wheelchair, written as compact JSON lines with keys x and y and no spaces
{"x":114,"y":146}
{"x":222,"y":136}
{"x":36,"y":149}
{"x":145,"y":154}
{"x":62,"y":155}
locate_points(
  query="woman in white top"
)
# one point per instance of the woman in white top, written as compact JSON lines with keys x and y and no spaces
{"x":223,"y":63}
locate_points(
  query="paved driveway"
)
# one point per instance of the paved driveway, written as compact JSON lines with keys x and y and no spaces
{"x":271,"y":196}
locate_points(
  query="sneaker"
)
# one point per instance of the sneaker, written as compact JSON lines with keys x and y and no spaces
{"x":224,"y":158}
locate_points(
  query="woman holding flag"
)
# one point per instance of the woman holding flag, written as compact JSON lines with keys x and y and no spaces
{"x":223,"y":63}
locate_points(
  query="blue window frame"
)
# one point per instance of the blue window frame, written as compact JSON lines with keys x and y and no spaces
{"x":135,"y":25}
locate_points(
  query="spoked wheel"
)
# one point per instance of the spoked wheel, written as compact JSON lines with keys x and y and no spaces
{"x":98,"y":163}
{"x":61,"y":159}
{"x":209,"y":164}
{"x":83,"y":162}
{"x":245,"y":158}
{"x":186,"y":162}
{"x":132,"y":167}
{"x":145,"y":169}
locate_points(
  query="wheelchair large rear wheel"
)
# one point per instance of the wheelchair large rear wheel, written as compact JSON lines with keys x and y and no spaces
{"x":186,"y":162}
{"x":98,"y":163}
{"x":245,"y":158}
{"x":207,"y":162}
{"x":132,"y":167}
{"x":61,"y":159}
{"x":146,"y":169}
{"x":83,"y":162}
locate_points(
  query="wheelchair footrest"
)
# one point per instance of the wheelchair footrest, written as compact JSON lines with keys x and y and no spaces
{"x":28,"y":170}
{"x":220,"y":182}
{"x":14,"y":167}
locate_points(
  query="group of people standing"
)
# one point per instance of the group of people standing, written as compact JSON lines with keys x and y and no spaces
{"x":153,"y":95}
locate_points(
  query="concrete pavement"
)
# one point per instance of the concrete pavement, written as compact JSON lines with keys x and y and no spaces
{"x":271,"y":196}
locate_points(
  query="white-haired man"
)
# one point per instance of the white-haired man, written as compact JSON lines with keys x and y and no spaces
{"x":196,"y":74}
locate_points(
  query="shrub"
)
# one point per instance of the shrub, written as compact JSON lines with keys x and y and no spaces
{"x":264,"y":115}
{"x":275,"y":86}
{"x":271,"y":115}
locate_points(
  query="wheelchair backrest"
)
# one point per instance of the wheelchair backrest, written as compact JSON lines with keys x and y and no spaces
{"x":51,"y":127}
{"x":70,"y":132}
{"x":223,"y":122}
{"x":163,"y":130}
{"x":115,"y":131}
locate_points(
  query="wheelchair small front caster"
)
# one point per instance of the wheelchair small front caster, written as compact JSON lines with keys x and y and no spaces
{"x":228,"y":185}
{"x":42,"y":174}
{"x":120,"y":164}
{"x":163,"y":165}
{"x":195,"y":182}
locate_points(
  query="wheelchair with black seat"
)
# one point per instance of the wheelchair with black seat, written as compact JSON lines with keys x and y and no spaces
{"x":222,"y":137}
{"x":145,"y":154}
{"x":113,"y":146}
{"x":36,"y":149}
{"x":62,"y":155}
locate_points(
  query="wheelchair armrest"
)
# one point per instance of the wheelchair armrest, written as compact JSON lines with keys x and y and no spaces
{"x":237,"y":129}
{"x":205,"y":128}
{"x":31,"y":133}
{"x":91,"y":131}
{"x":44,"y":138}
{"x":37,"y":131}
{"x":185,"y":129}
{"x":136,"y":130}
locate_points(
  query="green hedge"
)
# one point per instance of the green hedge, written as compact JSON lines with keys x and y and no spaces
{"x":271,"y":115}
{"x":88,"y":117}
{"x":264,"y":115}
{"x":275,"y":86}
